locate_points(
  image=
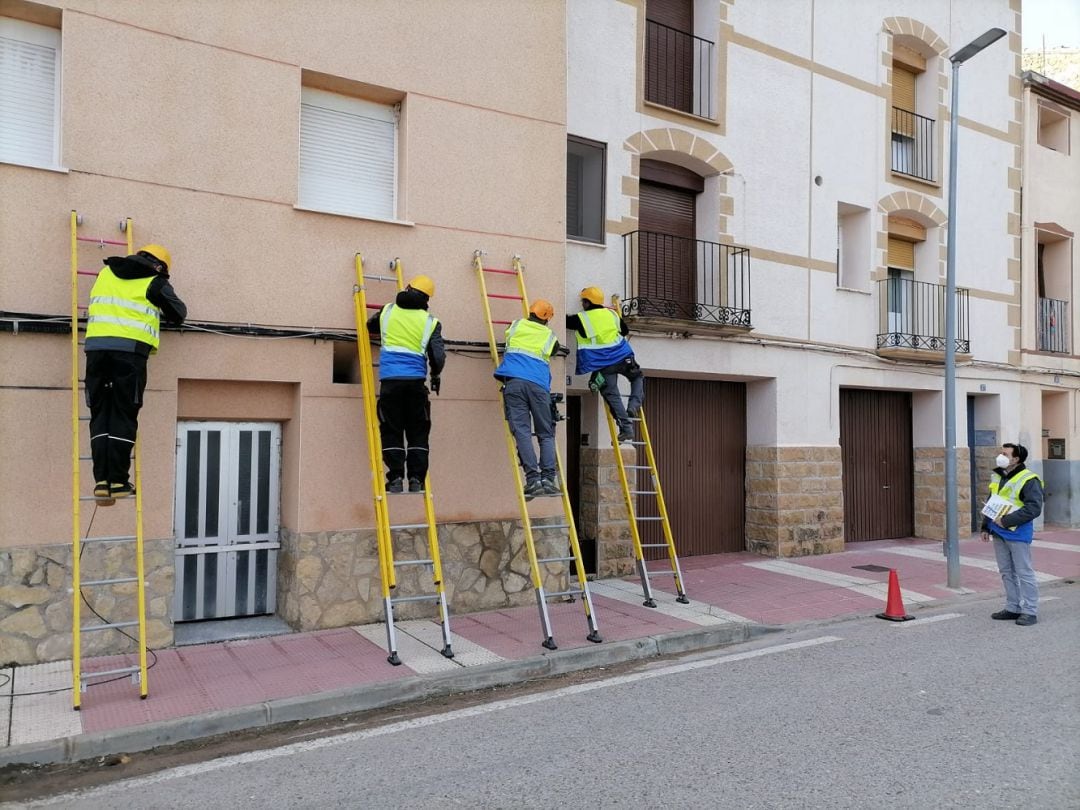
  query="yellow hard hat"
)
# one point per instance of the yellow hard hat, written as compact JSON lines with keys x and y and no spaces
{"x":542,"y":309}
{"x":159,"y":252}
{"x":424,"y":284}
{"x":594,"y":295}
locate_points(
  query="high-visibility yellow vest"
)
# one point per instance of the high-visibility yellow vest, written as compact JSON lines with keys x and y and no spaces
{"x":405,"y":334}
{"x":603,"y":344}
{"x":528,"y":353}
{"x":119,"y":308}
{"x":1010,"y":491}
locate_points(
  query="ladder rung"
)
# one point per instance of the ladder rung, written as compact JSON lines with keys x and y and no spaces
{"x":554,"y":559}
{"x":503,"y":272}
{"x":639,"y":517}
{"x":115,"y":581}
{"x":381,"y":278}
{"x":636,"y":443}
{"x":571,"y":592}
{"x":552,"y":526}
{"x":96,"y":498}
{"x":409,"y":525}
{"x":84,"y":418}
{"x":643,"y":492}
{"x":654,"y":545}
{"x":413,"y":562}
{"x":636,"y":467}
{"x":86,"y":458}
{"x":115,"y":538}
{"x":432,"y":597}
{"x":503,"y":322}
{"x":505,"y":297}
{"x":111,"y":626}
{"x":102,"y":673}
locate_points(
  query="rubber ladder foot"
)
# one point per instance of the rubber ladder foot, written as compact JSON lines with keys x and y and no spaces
{"x":595,"y":637}
{"x":549,"y":643}
{"x":143,"y":697}
{"x":394,"y":659}
{"x":77,"y":708}
{"x":683,"y":599}
{"x":649,"y":603}
{"x":447,"y":652}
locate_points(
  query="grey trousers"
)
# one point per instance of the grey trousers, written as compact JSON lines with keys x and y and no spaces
{"x":528,"y":410}
{"x":1017,"y":575}
{"x":610,"y":391}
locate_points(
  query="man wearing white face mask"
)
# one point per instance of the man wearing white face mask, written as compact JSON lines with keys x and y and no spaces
{"x":1012,"y":533}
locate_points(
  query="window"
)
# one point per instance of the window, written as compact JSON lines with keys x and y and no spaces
{"x":852,"y":246}
{"x":585,"y":189}
{"x":29,"y":94}
{"x":679,"y":66}
{"x":1053,"y":128}
{"x":348,"y":155}
{"x":912,"y":134}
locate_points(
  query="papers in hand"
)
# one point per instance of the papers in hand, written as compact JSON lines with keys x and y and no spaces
{"x":996,"y":507}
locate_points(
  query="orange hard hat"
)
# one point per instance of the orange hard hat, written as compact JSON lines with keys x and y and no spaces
{"x":542,"y":309}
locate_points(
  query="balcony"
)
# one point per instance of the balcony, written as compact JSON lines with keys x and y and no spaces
{"x":679,"y":70}
{"x":1053,"y":325}
{"x":688,"y":281}
{"x":913,"y":145}
{"x":911,"y":320}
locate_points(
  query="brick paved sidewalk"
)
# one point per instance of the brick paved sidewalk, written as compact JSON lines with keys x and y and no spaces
{"x":724,"y":589}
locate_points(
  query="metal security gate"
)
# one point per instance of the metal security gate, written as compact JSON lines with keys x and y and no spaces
{"x":227,"y":483}
{"x":698,"y":430}
{"x":878,"y":464}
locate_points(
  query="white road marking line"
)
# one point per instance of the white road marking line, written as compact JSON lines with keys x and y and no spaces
{"x":696,"y":612}
{"x":466,"y":653}
{"x":421,"y":722}
{"x":1056,"y":546}
{"x":867,"y":587}
{"x":973,"y":562}
{"x":929,"y":620}
{"x":416,"y":655}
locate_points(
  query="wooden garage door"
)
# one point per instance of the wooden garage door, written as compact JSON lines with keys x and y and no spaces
{"x":878,"y":467}
{"x":698,"y":429}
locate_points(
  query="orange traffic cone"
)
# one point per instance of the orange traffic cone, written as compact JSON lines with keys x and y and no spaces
{"x":894,"y":606}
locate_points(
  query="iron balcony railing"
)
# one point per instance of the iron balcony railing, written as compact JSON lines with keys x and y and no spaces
{"x":1053,"y":325}
{"x":679,"y":70}
{"x":686,"y":279}
{"x":912,"y":144}
{"x":912,"y":316}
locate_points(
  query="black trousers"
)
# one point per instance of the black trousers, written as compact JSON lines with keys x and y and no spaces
{"x":115,"y":382}
{"x":404,"y":425}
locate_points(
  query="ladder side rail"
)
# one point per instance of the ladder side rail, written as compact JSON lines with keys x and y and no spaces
{"x":76,"y":518}
{"x":665,"y":522}
{"x":378,"y":485}
{"x":628,"y":499}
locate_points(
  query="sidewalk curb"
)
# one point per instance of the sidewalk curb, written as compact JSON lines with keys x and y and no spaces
{"x":374,"y":696}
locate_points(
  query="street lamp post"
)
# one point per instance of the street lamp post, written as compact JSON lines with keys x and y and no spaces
{"x":952,"y":541}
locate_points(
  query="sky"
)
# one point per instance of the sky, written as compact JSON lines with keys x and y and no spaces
{"x":1058,"y":20}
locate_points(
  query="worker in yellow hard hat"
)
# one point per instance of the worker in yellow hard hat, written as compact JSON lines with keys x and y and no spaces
{"x":411,"y":341}
{"x":604,"y":353}
{"x":525,"y":372}
{"x":127,"y":302}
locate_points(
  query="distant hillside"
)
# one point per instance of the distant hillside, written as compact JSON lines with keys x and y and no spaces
{"x":1060,"y":64}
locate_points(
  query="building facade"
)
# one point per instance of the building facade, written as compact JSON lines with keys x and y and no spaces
{"x":772,"y":192}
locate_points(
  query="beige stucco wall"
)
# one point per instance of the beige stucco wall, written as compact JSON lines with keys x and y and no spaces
{"x":190,"y":127}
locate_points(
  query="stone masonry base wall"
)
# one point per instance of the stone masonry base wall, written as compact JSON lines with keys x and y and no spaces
{"x":794,"y":500}
{"x":35,"y":601}
{"x":930,"y":492}
{"x":603,"y":511}
{"x":331,"y":579}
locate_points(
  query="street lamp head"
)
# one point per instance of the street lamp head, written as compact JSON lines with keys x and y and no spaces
{"x":976,"y":45}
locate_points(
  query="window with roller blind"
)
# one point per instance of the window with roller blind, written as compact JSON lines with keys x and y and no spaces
{"x":348,"y":155}
{"x":29,"y":94}
{"x":584,"y":189}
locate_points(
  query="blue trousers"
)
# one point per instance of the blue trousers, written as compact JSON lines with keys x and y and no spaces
{"x":1021,"y":587}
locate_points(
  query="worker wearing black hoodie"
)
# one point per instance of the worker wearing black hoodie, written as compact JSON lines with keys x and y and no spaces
{"x":411,"y":340}
{"x":127,"y":302}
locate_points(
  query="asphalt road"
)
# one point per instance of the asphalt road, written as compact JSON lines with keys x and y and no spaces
{"x":951,"y":711}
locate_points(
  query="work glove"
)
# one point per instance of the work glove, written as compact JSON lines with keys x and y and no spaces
{"x":436,"y":383}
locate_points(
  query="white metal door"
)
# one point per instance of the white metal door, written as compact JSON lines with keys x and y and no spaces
{"x":227,"y":487}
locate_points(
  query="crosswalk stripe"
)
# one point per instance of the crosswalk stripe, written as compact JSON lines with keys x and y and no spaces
{"x":867,"y":587}
{"x":973,"y":562}
{"x":696,"y":612}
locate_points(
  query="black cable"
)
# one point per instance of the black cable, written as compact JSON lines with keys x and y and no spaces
{"x":120,"y":630}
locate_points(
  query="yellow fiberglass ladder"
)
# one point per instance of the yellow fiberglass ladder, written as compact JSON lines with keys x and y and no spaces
{"x":526,"y":521}
{"x":647,"y":486}
{"x":78,"y":584}
{"x":383,"y":528}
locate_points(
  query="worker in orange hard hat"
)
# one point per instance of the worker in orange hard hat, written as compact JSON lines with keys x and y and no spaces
{"x":127,"y":302}
{"x":527,"y":401}
{"x":412,"y":341}
{"x":604,"y":353}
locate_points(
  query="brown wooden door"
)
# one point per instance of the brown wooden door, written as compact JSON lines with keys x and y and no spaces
{"x":878,"y":466}
{"x":669,"y":53}
{"x":698,"y":430}
{"x":666,"y":247}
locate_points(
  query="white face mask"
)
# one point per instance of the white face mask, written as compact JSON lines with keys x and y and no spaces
{"x":1002,"y":460}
